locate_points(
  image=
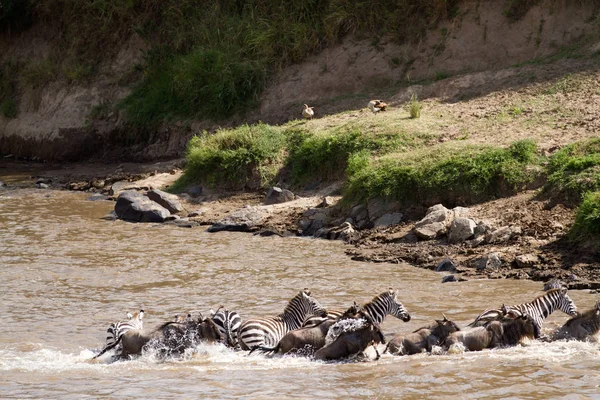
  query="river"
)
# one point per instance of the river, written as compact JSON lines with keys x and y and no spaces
{"x":66,"y":274}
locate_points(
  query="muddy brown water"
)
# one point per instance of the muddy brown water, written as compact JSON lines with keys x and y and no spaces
{"x":66,"y":274}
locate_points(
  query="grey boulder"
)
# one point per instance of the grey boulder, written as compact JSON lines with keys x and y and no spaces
{"x":167,"y":200}
{"x":135,"y":207}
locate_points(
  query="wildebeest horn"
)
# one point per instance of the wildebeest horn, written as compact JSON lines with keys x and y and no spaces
{"x":444,"y":315}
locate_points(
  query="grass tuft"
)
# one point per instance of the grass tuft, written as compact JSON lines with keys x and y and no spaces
{"x":587,"y":219}
{"x":414,"y":107}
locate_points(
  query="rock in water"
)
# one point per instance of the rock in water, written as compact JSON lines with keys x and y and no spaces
{"x":167,"y":200}
{"x":135,"y":207}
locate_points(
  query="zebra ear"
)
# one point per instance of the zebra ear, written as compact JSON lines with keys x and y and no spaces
{"x":306,"y":291}
{"x":563,"y":290}
{"x":140,"y":315}
{"x":129,"y":315}
{"x":391,"y":291}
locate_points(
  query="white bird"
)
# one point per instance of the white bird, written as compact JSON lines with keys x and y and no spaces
{"x":377,"y":105}
{"x":308,"y":112}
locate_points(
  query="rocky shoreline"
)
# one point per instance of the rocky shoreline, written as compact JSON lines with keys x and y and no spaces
{"x":518,"y":237}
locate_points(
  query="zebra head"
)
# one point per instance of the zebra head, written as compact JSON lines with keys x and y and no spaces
{"x":565,"y":303}
{"x":303,"y":304}
{"x":395,"y":307}
{"x":554,"y":284}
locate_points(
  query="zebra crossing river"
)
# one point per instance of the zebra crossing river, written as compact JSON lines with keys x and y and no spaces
{"x":66,"y":274}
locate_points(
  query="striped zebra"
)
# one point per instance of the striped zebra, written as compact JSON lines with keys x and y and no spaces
{"x":116,"y":330}
{"x":539,"y":309}
{"x":268,"y":331}
{"x":229,"y":323}
{"x":382,"y":305}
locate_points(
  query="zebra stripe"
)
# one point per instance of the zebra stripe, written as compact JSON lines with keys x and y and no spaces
{"x":229,"y":323}
{"x":268,"y":331}
{"x":539,"y":309}
{"x":382,"y":305}
{"x":117,"y":329}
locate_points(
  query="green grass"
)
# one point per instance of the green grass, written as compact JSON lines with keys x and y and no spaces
{"x":448,"y":174}
{"x":573,"y":171}
{"x":8,"y":108}
{"x":587,"y":219}
{"x":414,"y":107}
{"x":237,"y":158}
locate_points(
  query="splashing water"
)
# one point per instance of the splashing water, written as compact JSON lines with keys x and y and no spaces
{"x":345,"y":325}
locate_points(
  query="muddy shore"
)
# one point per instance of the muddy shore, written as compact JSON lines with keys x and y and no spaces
{"x":539,"y":251}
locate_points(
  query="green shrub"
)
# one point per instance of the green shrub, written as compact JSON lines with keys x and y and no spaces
{"x":8,"y":108}
{"x":203,"y":83}
{"x":327,"y":155}
{"x":574,"y":170}
{"x":234,"y":158}
{"x":587,"y":219}
{"x":414,"y":107}
{"x":452,"y":175}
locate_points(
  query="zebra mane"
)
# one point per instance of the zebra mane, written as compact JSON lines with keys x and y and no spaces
{"x":562,"y":291}
{"x":297,"y":299}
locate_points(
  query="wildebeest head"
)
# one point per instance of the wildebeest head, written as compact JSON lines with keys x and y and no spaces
{"x":510,"y":331}
{"x":445,"y":327}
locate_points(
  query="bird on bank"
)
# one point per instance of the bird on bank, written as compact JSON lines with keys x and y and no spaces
{"x":308,"y":112}
{"x":377,"y":105}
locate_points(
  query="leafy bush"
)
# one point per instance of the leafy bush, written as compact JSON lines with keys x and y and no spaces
{"x":574,"y":170}
{"x":234,"y":158}
{"x":8,"y":108}
{"x":327,"y":155}
{"x":452,"y":175}
{"x":587,"y":219}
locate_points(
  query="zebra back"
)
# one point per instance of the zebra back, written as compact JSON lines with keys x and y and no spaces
{"x":117,"y":329}
{"x":538,"y":309}
{"x":378,"y":308}
{"x":268,"y":331}
{"x":542,"y":306}
{"x":229,"y":323}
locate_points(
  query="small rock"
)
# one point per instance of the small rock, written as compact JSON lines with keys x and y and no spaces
{"x":446,"y":265}
{"x":43,"y":180}
{"x":242,"y":220}
{"x":98,"y":197}
{"x":267,"y":233}
{"x":198,"y":212}
{"x":342,"y":232}
{"x":449,"y":278}
{"x":526,"y":260}
{"x":2,"y":184}
{"x":475,"y":242}
{"x":500,"y":235}
{"x":430,"y":231}
{"x":491,"y":261}
{"x":277,"y":195}
{"x":167,"y":200}
{"x":388,"y":219}
{"x":79,"y":186}
{"x":327,"y":201}
{"x":111,"y":216}
{"x":42,"y":185}
{"x":460,"y":212}
{"x":194,"y":191}
{"x":437,"y":215}
{"x":482,"y":228}
{"x":98,"y":183}
{"x":461,"y":229}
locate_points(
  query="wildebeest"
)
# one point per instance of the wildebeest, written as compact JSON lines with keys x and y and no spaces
{"x":311,"y":338}
{"x":423,"y":339}
{"x":580,"y":327}
{"x":351,"y":342}
{"x":498,"y":333}
{"x":171,"y":338}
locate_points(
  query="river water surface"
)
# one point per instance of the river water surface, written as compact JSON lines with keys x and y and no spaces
{"x":66,"y":274}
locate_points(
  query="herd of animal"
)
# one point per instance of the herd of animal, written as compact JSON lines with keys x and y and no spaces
{"x":306,"y":328}
{"x":374,"y":105}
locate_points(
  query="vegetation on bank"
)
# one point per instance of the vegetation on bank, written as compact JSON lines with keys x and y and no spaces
{"x":208,"y":59}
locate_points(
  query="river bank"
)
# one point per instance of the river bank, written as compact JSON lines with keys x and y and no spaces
{"x":533,"y":245}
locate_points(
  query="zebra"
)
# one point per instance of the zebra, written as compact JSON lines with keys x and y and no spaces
{"x":229,"y":323}
{"x":539,"y":309}
{"x":554,"y":284}
{"x":378,"y":308}
{"x":116,"y":330}
{"x":268,"y":331}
